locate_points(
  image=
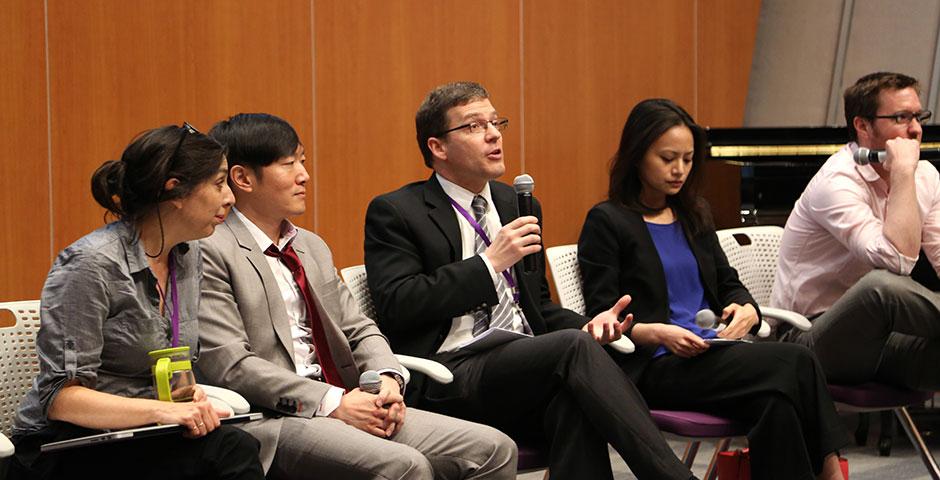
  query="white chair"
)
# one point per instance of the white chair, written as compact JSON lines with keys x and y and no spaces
{"x":754,"y":252}
{"x":19,"y":364}
{"x":563,"y":263}
{"x":357,"y":282}
{"x":693,"y":426}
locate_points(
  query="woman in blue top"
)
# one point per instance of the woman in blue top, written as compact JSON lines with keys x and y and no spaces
{"x":119,"y":292}
{"x":653,"y":238}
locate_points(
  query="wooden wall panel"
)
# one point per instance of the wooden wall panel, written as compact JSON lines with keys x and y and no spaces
{"x":375,"y":63}
{"x":24,"y":164}
{"x":349,"y":76}
{"x":727,"y":30}
{"x":119,"y":68}
{"x":580,"y":86}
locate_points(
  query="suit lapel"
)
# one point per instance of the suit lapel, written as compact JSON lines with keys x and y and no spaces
{"x":505,"y":204}
{"x":277,"y":312}
{"x":442,"y":214}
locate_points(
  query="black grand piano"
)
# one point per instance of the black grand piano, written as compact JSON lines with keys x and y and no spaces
{"x":777,"y":163}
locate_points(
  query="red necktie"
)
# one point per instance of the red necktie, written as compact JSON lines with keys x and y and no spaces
{"x":289,"y":258}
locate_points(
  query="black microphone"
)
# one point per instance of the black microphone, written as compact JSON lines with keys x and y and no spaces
{"x":523,"y":184}
{"x":370,"y":382}
{"x":864,"y":156}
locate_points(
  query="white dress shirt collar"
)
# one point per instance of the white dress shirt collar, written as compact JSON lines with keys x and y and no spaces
{"x":464,"y":197}
{"x":288,"y":232}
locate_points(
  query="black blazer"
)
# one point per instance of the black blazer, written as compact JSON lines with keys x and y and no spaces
{"x":617,"y":256}
{"x":418,"y":280}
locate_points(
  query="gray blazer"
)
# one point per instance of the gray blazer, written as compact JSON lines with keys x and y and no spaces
{"x":245,"y":331}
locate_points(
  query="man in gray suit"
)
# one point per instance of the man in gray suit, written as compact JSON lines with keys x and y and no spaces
{"x":279,"y":327}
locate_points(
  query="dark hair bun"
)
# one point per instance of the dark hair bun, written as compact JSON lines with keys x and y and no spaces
{"x":107,"y":186}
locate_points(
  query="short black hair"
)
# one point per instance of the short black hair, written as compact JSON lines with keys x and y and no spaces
{"x":431,"y":118}
{"x":861,"y":99}
{"x":255,"y":140}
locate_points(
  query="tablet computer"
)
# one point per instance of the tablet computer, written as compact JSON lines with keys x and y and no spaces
{"x":140,"y":432}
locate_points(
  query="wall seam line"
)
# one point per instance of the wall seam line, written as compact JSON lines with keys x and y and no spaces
{"x":313,"y":111}
{"x":522,"y":86}
{"x":695,"y":60}
{"x":45,"y":15}
{"x":838,"y":64}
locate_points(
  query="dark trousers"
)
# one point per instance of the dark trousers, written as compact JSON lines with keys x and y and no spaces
{"x":226,"y":453}
{"x":777,"y":389}
{"x":566,"y":387}
{"x":885,"y":328}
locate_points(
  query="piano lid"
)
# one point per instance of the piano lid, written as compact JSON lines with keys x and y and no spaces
{"x":791,"y":146}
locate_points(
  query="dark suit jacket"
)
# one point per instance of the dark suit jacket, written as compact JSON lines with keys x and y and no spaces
{"x":418,"y":280}
{"x":617,"y":256}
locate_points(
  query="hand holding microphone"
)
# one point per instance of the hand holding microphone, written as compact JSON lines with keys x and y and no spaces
{"x":390,"y":405}
{"x":370,"y":382}
{"x":524,"y":185}
{"x":520,"y":238}
{"x":905,"y":151}
{"x":738,"y":320}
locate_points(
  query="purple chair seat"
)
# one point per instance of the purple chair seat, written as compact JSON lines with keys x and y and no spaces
{"x":696,"y":424}
{"x":877,"y":395}
{"x":532,"y":456}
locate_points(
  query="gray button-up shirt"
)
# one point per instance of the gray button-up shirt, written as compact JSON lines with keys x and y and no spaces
{"x":100,"y":316}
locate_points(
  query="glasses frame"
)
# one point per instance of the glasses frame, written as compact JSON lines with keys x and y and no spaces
{"x":499,"y":123}
{"x":899,"y":118}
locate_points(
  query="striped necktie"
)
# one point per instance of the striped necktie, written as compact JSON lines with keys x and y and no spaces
{"x":499,"y":316}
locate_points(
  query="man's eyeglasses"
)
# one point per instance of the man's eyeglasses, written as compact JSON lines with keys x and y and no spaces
{"x":186,"y":129}
{"x":480,"y":126}
{"x":904,"y":118}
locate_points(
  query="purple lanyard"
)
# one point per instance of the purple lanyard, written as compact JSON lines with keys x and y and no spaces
{"x":486,"y":241}
{"x":175,"y":316}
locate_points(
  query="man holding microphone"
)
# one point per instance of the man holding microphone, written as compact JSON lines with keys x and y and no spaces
{"x":853,"y":239}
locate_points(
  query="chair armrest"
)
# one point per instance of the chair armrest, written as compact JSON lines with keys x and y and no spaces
{"x":229,"y":397}
{"x":623,"y":345}
{"x":764,"y":330}
{"x":439,"y":373}
{"x":6,"y":447}
{"x":787,"y":316}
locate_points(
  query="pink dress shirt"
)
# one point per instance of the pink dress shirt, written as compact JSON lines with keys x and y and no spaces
{"x":835,"y":235}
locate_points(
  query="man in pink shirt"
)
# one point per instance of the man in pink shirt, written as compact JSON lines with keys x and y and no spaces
{"x":853,"y":238}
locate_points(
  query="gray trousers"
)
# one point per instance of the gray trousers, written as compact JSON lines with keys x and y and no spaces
{"x":428,"y":446}
{"x":886,"y":328}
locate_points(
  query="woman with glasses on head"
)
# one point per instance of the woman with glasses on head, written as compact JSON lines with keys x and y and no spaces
{"x":128,"y":288}
{"x":653,"y":238}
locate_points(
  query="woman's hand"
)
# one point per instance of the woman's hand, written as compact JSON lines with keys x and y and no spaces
{"x":199,"y":417}
{"x":744,"y":318}
{"x":680,"y":341}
